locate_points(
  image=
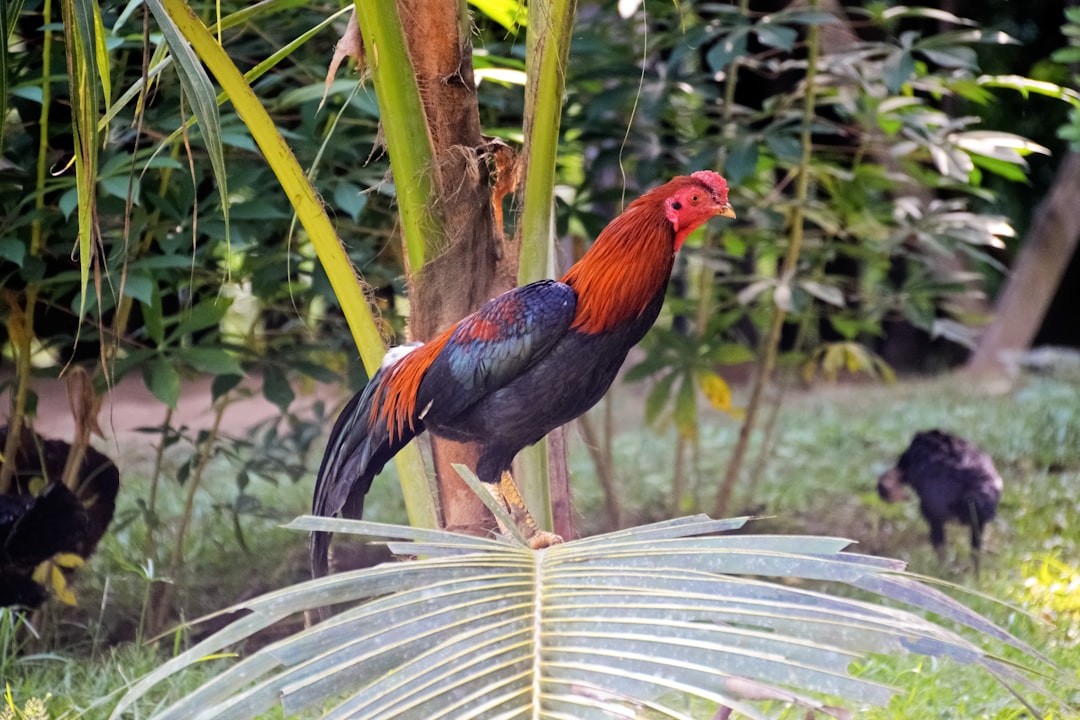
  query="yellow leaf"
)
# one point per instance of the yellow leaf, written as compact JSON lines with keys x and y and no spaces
{"x":68,"y":560}
{"x":851,"y":359}
{"x":858,"y":358}
{"x":886,"y":372}
{"x":60,"y":587}
{"x":716,"y":391}
{"x":41,"y":572}
{"x":833,"y":361}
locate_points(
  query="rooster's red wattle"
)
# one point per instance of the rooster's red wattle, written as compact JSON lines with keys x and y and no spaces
{"x":526,"y":362}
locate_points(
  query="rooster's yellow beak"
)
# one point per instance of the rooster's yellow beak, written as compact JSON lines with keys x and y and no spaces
{"x":726,"y":211}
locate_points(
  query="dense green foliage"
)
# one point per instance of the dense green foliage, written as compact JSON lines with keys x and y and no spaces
{"x":881,"y":171}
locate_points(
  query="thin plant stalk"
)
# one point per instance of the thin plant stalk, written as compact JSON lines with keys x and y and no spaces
{"x":22,"y":344}
{"x":605,"y":471}
{"x":150,"y":544}
{"x":205,"y":451}
{"x":768,"y":438}
{"x":787,"y":273}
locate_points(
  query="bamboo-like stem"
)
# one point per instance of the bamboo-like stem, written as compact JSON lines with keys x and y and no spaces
{"x":412,"y":153}
{"x":419,"y":502}
{"x":22,"y":345}
{"x":787,"y":274}
{"x":547,"y":47}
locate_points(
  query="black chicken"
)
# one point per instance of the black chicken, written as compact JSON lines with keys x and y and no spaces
{"x":33,"y":528}
{"x":954,"y":481}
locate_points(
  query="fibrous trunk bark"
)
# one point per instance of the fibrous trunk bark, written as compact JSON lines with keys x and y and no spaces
{"x":1036,"y":275}
{"x":471,"y":263}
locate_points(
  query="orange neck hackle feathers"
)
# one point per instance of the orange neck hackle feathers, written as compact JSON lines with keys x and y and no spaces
{"x":631,"y":260}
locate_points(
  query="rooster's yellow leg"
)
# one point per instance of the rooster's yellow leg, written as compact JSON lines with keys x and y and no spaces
{"x":506,"y":493}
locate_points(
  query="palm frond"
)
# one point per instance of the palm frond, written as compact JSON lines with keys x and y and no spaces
{"x":657,"y":621}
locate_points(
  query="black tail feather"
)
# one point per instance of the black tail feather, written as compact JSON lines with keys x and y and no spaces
{"x":53,"y":522}
{"x":356,"y":452}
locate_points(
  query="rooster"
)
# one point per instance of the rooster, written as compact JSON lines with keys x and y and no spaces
{"x":526,"y":362}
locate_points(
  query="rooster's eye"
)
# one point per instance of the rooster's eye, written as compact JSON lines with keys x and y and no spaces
{"x":695,"y":199}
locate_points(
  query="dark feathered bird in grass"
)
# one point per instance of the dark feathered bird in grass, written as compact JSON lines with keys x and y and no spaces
{"x":32,"y":530}
{"x":954,"y":480}
{"x":526,"y":362}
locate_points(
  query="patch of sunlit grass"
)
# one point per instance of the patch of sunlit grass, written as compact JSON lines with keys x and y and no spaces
{"x":1051,"y":589}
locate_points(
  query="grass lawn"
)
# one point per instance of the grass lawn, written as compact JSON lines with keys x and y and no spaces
{"x":829,"y":447}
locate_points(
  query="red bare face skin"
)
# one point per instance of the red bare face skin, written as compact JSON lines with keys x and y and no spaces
{"x":691,"y":206}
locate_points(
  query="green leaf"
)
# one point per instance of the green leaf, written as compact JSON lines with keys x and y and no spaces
{"x":511,"y":14}
{"x":732,"y":354}
{"x":276,"y":387}
{"x":806,"y":17}
{"x":904,"y":11}
{"x":723,"y":52}
{"x":153,"y":319}
{"x":734,"y":245}
{"x":658,"y":396}
{"x":741,"y":161}
{"x":952,"y":57}
{"x":82,"y":22}
{"x":784,"y":145}
{"x":686,"y":407}
{"x":1002,"y":168}
{"x":826,"y":293}
{"x":652,"y":362}
{"x":139,"y":287}
{"x":777,"y":36}
{"x":315,"y":371}
{"x":1066,"y":56}
{"x":206,"y":314}
{"x":210,"y":360}
{"x":163,"y":380}
{"x":350,"y":199}
{"x":897,"y":70}
{"x":223,"y":384}
{"x":13,"y":250}
{"x":848,"y":328}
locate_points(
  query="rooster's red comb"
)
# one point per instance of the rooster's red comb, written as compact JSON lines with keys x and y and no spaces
{"x":713,"y":181}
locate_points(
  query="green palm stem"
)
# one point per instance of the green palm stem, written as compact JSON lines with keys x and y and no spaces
{"x":408,"y":139}
{"x":547,"y":47}
{"x":767,"y":361}
{"x":418,"y":499}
